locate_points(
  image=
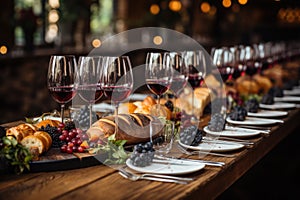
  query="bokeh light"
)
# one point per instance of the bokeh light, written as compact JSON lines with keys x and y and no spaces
{"x":157,"y":40}
{"x":205,"y":7}
{"x":154,"y":9}
{"x":175,"y":5}
{"x":226,"y":3}
{"x":96,"y":43}
{"x":3,"y":50}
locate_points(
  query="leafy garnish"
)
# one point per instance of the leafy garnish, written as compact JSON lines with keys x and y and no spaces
{"x":15,"y":155}
{"x":114,"y":149}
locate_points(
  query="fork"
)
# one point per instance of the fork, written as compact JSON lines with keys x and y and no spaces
{"x":153,"y":177}
{"x":183,"y":150}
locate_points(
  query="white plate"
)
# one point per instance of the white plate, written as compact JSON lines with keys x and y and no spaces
{"x":278,"y":105}
{"x":287,"y":99}
{"x":268,"y":113}
{"x":233,"y":132}
{"x":103,"y":107}
{"x":137,"y":97}
{"x":295,"y":92}
{"x":171,"y":169}
{"x":214,"y":147}
{"x":254,"y":121}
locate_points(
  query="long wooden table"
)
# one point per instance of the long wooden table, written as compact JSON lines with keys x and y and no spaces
{"x":103,"y":182}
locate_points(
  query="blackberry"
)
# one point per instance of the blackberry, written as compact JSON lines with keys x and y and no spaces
{"x":54,"y":133}
{"x":238,"y":113}
{"x":276,"y":92}
{"x":217,"y":122}
{"x":69,"y":125}
{"x":169,"y":105}
{"x":142,"y":154}
{"x":267,"y":99}
{"x":82,"y":118}
{"x":252,"y":105}
{"x":191,"y":136}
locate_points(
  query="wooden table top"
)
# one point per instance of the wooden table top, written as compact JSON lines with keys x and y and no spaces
{"x":103,"y":182}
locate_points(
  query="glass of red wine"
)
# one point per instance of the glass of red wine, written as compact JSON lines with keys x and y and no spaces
{"x":195,"y":60}
{"x":61,"y":78}
{"x":223,"y":59}
{"x":158,"y":74}
{"x":116,"y":80}
{"x":89,"y":84}
{"x":180,"y":72}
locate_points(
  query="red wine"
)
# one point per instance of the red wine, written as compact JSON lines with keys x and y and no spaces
{"x":158,"y":87}
{"x":251,"y":68}
{"x":62,"y":94}
{"x":116,"y":93}
{"x":178,"y":83}
{"x":238,"y":71}
{"x":90,"y":93}
{"x":195,"y":80}
{"x":225,"y":72}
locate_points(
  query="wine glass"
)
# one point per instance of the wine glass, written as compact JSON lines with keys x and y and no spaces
{"x":180,"y":72}
{"x":116,"y":80}
{"x":89,"y":85}
{"x":158,"y":74}
{"x":223,"y":59}
{"x":62,"y":74}
{"x":195,"y":60}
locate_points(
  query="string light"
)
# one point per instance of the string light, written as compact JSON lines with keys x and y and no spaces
{"x":157,"y":40}
{"x":205,"y":7}
{"x":243,"y":2}
{"x":175,"y":5}
{"x":96,"y":43}
{"x":154,"y":9}
{"x":3,"y":50}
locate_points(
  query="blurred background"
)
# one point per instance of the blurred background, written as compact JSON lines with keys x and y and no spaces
{"x":32,"y":30}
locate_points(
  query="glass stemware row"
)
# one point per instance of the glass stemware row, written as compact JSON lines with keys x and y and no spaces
{"x":94,"y":76}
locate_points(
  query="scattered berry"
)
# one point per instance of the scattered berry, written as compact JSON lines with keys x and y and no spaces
{"x":252,"y":105}
{"x":191,"y":136}
{"x":142,"y":154}
{"x":238,"y":113}
{"x":217,"y":122}
{"x":267,"y":99}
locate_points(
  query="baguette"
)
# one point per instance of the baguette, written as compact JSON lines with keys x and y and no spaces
{"x":134,"y":128}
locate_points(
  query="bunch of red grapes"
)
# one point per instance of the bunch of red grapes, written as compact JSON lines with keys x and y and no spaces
{"x":72,"y":138}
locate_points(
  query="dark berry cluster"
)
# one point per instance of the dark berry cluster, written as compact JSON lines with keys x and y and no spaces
{"x":142,"y":154}
{"x":82,"y":118}
{"x":217,"y":122}
{"x":238,"y":113}
{"x":191,"y":136}
{"x":54,"y":132}
{"x":276,"y":92}
{"x":267,"y":99}
{"x":252,"y":105}
{"x":66,"y":137}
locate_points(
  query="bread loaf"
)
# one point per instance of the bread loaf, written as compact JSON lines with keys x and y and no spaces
{"x":21,"y":131}
{"x":131,"y":127}
{"x":36,"y":141}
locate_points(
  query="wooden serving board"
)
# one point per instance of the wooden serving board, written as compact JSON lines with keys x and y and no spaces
{"x":54,"y":160}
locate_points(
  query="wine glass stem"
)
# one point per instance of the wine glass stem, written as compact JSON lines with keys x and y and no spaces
{"x":62,"y":109}
{"x":116,"y":117}
{"x":91,"y":118}
{"x":158,"y":99}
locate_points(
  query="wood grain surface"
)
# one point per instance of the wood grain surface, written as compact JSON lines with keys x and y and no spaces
{"x":103,"y":182}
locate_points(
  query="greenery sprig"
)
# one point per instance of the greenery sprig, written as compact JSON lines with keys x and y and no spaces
{"x":14,"y":155}
{"x":114,"y":149}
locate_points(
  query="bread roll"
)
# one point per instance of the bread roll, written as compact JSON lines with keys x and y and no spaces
{"x":131,"y":127}
{"x":21,"y":131}
{"x":245,"y":85}
{"x":127,"y":108}
{"x":264,"y":83}
{"x":47,"y":138}
{"x":32,"y":142}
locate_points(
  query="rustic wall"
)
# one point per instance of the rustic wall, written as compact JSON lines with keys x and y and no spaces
{"x":23,"y":88}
